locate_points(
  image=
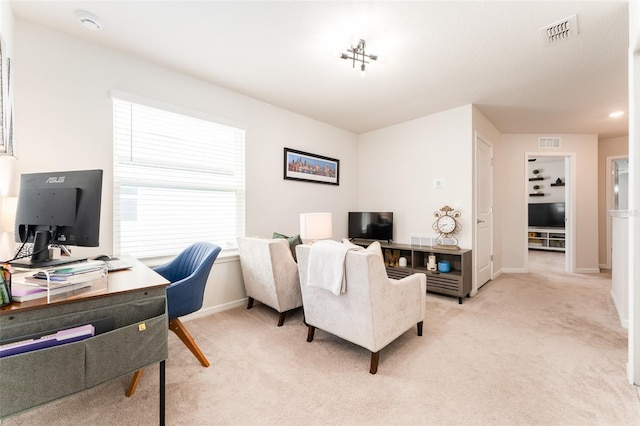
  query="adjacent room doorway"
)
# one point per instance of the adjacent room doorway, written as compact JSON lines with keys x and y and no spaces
{"x":549,"y":189}
{"x":617,"y":194}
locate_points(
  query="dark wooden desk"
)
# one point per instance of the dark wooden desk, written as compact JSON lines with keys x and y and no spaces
{"x":129,"y":311}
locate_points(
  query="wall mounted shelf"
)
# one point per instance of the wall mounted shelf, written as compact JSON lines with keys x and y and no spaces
{"x":557,"y":184}
{"x":537,"y":194}
{"x":535,"y":178}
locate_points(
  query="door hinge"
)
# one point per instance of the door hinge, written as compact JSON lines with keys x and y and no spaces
{"x":491,"y":258}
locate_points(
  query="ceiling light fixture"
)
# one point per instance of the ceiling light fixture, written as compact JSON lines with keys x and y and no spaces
{"x":616,"y":114}
{"x":89,"y":20}
{"x":357,"y":54}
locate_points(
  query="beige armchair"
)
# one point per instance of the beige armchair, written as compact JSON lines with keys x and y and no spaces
{"x":270,"y":274}
{"x":372,"y":311}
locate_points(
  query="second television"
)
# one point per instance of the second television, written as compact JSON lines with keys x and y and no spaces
{"x":547,"y":215}
{"x":371,"y":226}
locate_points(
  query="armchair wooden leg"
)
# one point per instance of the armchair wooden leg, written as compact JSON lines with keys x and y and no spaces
{"x":281,"y":318}
{"x":249,"y":302}
{"x":310,"y":332}
{"x":177,"y":327}
{"x":375,"y":357}
{"x":420,"y":328}
{"x":134,"y":382}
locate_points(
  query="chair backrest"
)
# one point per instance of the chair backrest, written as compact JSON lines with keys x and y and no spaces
{"x":373,"y":311}
{"x":269,"y":272}
{"x":188,"y":274}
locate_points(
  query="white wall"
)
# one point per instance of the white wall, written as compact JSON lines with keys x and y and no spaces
{"x":64,"y":122}
{"x":550,"y":168}
{"x":510,"y":166}
{"x":398,"y":164}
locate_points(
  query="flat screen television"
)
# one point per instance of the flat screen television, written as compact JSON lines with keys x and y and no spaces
{"x":371,"y":226}
{"x":547,"y":215}
{"x":61,"y":208}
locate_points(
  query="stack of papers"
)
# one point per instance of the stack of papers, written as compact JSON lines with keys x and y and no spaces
{"x":57,"y":281}
{"x":85,"y":271}
{"x":25,"y":293}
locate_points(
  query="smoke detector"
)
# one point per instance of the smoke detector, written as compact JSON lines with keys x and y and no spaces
{"x":559,"y":31}
{"x":89,"y":20}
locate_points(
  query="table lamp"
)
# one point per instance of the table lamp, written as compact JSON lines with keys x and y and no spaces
{"x":315,"y":226}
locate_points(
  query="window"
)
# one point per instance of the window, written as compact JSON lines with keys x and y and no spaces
{"x":177,"y":179}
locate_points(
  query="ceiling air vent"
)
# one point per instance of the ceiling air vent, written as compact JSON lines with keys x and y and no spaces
{"x":549,"y":142}
{"x":560,"y":30}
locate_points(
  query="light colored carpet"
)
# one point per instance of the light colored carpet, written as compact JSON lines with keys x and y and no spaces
{"x":543,"y":348}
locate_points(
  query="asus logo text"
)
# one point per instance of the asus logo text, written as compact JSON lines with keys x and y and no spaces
{"x":59,"y":179}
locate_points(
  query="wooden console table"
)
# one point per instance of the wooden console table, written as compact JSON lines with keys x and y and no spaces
{"x":128,"y":309}
{"x":456,"y":283}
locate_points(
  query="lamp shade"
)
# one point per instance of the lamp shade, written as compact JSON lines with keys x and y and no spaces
{"x":315,"y":226}
{"x":10,"y":205}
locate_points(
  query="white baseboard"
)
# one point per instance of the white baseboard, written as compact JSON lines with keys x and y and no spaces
{"x":624,"y":322}
{"x":214,"y":309}
{"x":515,"y":270}
{"x":587,"y":270}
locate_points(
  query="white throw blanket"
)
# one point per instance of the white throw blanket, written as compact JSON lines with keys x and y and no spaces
{"x":326,"y":265}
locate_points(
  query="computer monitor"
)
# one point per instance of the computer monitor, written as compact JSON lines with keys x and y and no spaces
{"x":61,"y":208}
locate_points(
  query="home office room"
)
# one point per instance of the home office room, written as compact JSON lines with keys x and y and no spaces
{"x":191,"y":110}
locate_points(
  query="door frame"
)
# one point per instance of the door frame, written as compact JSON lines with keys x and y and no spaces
{"x":609,"y":205}
{"x":570,"y":203}
{"x":478,"y":136}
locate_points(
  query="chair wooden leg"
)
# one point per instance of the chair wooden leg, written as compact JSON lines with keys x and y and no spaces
{"x":134,"y":382}
{"x":177,"y":327}
{"x":375,"y":358}
{"x":420,"y":328}
{"x":310,"y":332}
{"x":281,"y":318}
{"x":249,"y":302}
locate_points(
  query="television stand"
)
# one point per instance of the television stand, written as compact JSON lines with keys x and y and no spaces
{"x":551,"y":239}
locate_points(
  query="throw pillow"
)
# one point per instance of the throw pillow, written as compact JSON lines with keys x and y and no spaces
{"x":374,"y":247}
{"x":293,"y":242}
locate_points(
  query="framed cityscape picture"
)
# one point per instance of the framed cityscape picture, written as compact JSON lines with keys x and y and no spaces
{"x":299,"y":165}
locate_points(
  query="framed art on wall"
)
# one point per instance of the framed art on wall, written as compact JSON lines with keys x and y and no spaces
{"x":303,"y":166}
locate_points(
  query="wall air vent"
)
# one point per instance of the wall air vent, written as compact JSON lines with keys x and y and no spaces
{"x":549,"y":142}
{"x":561,"y":30}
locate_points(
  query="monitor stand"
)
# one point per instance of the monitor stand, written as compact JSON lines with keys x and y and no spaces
{"x":28,"y":263}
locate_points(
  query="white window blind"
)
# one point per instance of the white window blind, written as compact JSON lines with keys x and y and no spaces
{"x":178,"y":179}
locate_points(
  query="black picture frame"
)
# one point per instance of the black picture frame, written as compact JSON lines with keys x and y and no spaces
{"x":307,"y":167}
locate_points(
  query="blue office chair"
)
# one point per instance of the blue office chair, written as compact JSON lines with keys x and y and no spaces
{"x":188,"y":274}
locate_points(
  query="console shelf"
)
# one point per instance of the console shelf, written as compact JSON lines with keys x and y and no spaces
{"x":455,"y":283}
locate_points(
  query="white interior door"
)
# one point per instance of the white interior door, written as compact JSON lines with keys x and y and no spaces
{"x":483,"y":243}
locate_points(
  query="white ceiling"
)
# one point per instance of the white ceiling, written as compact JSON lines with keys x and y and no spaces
{"x":439,"y":55}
